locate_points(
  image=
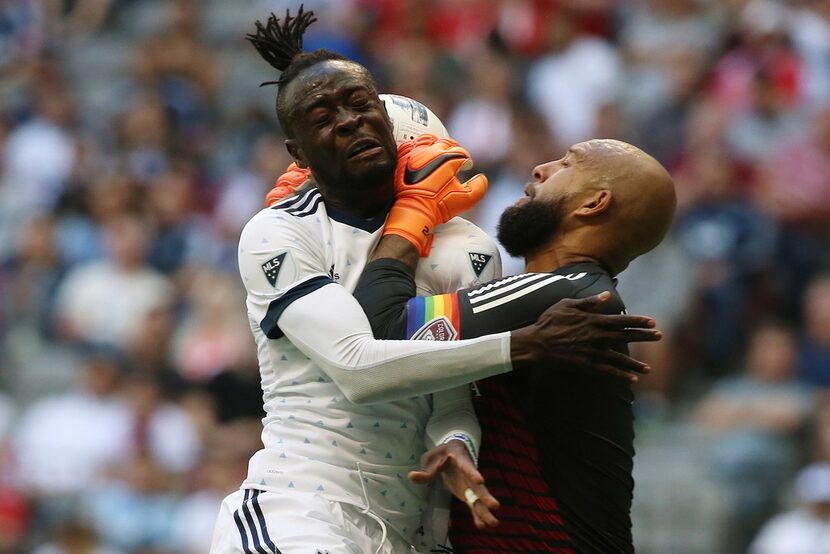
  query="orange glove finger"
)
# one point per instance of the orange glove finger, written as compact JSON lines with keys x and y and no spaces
{"x":429,"y":169}
{"x":423,"y":155}
{"x":430,"y":179}
{"x":450,"y":143}
{"x":287,"y":183}
{"x":426,"y":139}
{"x":276,"y":194}
{"x":405,"y":147}
{"x":467,"y":195}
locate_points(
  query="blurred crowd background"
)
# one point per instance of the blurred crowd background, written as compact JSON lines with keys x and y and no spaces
{"x":135,"y":143}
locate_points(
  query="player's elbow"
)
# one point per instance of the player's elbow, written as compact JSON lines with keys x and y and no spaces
{"x":354,"y":386}
{"x":359,"y":395}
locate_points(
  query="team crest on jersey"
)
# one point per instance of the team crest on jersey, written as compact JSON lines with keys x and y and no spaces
{"x":436,"y":329}
{"x":272,"y":268}
{"x":479,"y":261}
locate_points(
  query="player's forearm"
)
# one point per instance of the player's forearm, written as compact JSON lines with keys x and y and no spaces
{"x":339,"y":339}
{"x":454,"y":418}
{"x":384,"y":288}
{"x":396,"y":248}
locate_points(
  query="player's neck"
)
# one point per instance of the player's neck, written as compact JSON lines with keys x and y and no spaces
{"x":360,"y":204}
{"x":561,"y":253}
{"x":548,"y":260}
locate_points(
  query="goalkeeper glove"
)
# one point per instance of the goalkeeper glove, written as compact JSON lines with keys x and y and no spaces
{"x":428,"y":193}
{"x":287,"y":184}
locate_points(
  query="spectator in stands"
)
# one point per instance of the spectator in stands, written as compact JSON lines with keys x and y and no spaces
{"x":213,"y":336}
{"x":814,"y":355}
{"x":30,"y":277}
{"x":64,"y":443}
{"x":104,"y":302}
{"x":806,"y":529}
{"x":135,"y":510}
{"x":754,"y":420}
{"x":110,"y":107}
{"x":481,"y":121}
{"x":729,"y":242}
{"x":568,"y":97}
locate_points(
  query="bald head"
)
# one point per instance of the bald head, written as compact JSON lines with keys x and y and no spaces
{"x":605,"y":200}
{"x":642,"y":193}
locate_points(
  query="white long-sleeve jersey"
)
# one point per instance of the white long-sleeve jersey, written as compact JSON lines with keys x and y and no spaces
{"x":346,"y":415}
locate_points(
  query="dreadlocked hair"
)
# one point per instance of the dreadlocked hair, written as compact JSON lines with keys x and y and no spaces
{"x":280,"y":43}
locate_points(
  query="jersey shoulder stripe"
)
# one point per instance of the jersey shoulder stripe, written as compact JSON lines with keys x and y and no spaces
{"x":504,"y":285}
{"x":528,"y":288}
{"x":297,"y":200}
{"x":307,"y":208}
{"x":504,"y":291}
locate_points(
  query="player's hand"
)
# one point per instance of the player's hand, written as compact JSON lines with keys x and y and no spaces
{"x":428,"y":193}
{"x":287,"y":184}
{"x":571,"y":334}
{"x":453,"y":462}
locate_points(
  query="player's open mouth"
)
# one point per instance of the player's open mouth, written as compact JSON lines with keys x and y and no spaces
{"x":363,"y":146}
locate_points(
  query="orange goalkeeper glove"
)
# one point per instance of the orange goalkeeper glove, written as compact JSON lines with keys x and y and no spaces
{"x":287,"y":184}
{"x":428,"y":193}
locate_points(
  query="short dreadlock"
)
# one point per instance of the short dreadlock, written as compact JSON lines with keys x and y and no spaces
{"x":280,"y":43}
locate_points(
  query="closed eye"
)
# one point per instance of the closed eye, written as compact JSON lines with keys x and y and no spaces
{"x":320,"y":117}
{"x":361,"y":103}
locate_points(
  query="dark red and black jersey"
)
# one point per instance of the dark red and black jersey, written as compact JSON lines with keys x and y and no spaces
{"x":557,"y":447}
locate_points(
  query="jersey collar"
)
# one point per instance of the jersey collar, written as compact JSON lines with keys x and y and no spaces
{"x":369,"y":225}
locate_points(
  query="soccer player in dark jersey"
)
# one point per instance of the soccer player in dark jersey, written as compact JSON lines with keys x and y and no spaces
{"x":558,"y":446}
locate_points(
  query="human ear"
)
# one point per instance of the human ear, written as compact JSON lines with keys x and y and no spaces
{"x":597,"y":203}
{"x":296,"y":153}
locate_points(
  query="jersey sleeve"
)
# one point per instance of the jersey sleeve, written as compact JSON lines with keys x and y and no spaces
{"x":501,"y":305}
{"x":385,"y":293}
{"x":280,"y":262}
{"x":291,"y":295}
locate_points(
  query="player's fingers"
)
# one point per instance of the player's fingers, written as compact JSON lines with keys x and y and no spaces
{"x":483,"y":515}
{"x":592,"y":359}
{"x":625,"y":321}
{"x":447,"y":168}
{"x":620,"y":361}
{"x":458,"y":202}
{"x":478,"y":187}
{"x":425,"y":139}
{"x":421,"y":477}
{"x":615,"y":372}
{"x":474,"y":476}
{"x":483,"y":505}
{"x":452,"y":146}
{"x":595,"y":365}
{"x":431,"y":468}
{"x":631,"y":335}
{"x":590,"y":304}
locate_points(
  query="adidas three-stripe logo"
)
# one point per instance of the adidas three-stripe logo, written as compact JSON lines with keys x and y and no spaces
{"x":505,"y":290}
{"x":260,"y":542}
{"x":305,"y":203}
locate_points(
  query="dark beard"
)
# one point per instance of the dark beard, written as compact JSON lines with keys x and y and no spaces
{"x":526,"y":228}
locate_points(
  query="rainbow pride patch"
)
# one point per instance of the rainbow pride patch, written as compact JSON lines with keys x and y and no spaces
{"x":433,"y":317}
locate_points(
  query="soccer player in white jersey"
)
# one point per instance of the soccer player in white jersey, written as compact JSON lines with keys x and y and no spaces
{"x":348,"y":416}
